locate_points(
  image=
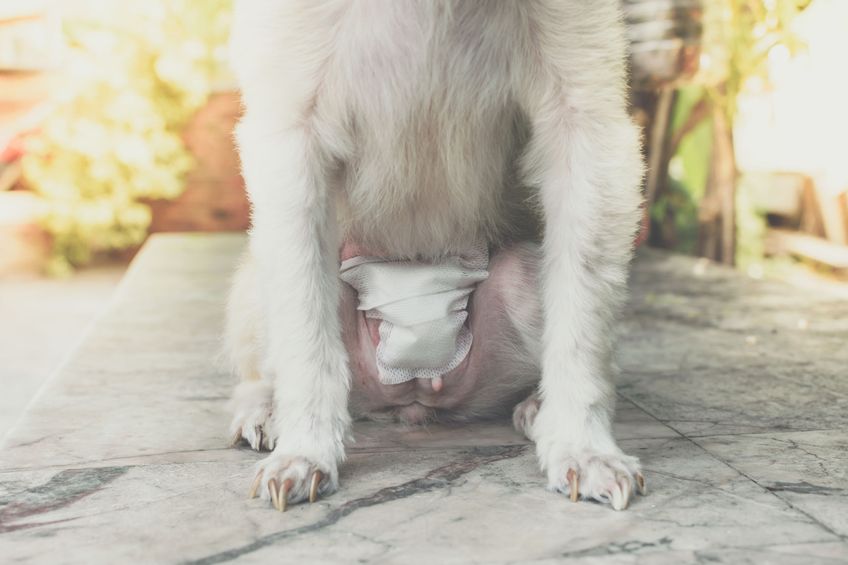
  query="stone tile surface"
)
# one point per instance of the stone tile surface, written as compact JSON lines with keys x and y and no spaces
{"x":709,"y":352}
{"x":41,"y":321}
{"x":124,"y":458}
{"x":807,"y":469}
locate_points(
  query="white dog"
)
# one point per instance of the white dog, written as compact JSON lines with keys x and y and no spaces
{"x":472,"y":169}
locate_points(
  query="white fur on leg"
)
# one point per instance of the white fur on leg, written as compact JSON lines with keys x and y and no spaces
{"x":294,"y":239}
{"x":585,"y":158}
{"x":251,"y":406}
{"x":252,"y":398}
{"x":524,"y":415}
{"x":244,"y":322}
{"x":294,"y":246}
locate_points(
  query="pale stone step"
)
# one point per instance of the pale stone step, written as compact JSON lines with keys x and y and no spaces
{"x":40,"y":324}
{"x":737,"y":411}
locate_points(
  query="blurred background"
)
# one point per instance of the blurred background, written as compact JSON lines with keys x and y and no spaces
{"x":116,"y":120}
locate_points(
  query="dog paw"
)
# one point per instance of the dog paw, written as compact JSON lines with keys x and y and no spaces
{"x":524,"y":415}
{"x":251,"y":407}
{"x":284,"y":479}
{"x":608,"y":478}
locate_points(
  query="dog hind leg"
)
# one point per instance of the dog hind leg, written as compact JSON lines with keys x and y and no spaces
{"x":251,"y":403}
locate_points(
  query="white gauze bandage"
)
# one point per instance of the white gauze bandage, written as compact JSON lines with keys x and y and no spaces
{"x":422,"y":306}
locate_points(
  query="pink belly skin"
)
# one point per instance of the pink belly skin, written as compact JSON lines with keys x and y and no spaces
{"x":500,"y":369}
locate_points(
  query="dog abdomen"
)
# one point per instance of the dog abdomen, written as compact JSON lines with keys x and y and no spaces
{"x":433,"y":129}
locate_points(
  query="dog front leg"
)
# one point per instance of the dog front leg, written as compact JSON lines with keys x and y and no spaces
{"x":294,"y":244}
{"x":585,"y":159}
{"x":590,"y":199}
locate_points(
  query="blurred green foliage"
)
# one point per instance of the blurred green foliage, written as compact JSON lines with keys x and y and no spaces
{"x":738,"y":37}
{"x":675,"y":211}
{"x":135,"y":74}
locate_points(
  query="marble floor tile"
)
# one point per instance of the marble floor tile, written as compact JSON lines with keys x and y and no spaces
{"x":825,"y":552}
{"x":123,"y":457}
{"x":483,"y":505}
{"x":708,"y":351}
{"x":703,"y":401}
{"x":40,"y":322}
{"x":807,"y":469}
{"x":630,"y":423}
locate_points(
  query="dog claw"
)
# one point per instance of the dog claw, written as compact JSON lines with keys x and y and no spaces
{"x":640,"y":484}
{"x":317,"y":476}
{"x":254,"y":488}
{"x":273,"y":488}
{"x":573,"y":484}
{"x":619,"y":497}
{"x":283,"y":495}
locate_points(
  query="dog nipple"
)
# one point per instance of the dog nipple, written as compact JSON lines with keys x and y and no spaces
{"x":437,"y":384}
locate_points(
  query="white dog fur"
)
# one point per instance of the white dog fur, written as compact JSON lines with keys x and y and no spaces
{"x":416,"y":126}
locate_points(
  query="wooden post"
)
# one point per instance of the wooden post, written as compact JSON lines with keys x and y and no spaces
{"x":717,"y":213}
